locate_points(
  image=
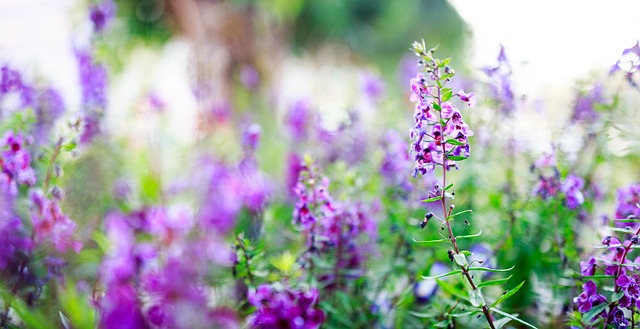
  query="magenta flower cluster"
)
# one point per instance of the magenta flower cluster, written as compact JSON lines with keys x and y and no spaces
{"x":440,"y":135}
{"x":285,"y":308}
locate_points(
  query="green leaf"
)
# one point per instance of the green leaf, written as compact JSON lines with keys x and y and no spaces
{"x":456,"y":158}
{"x":460,"y":259}
{"x":501,"y":322}
{"x":461,"y":212}
{"x":599,"y":276}
{"x":617,"y":296}
{"x":462,"y":237}
{"x":494,"y":282}
{"x":448,"y":186}
{"x":446,"y":95}
{"x":439,"y":197}
{"x":513,"y":317}
{"x":476,"y":299}
{"x":450,"y":289}
{"x":508,"y":294}
{"x":627,"y":220}
{"x":442,"y":275}
{"x":32,"y":319}
{"x":429,"y":241}
{"x":593,"y":312}
{"x":453,"y":141}
{"x":494,"y":270}
{"x":437,"y":106}
{"x":76,"y":308}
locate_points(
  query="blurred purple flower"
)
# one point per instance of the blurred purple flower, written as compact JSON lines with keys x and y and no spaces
{"x":249,"y":77}
{"x":101,"y":14}
{"x":425,"y":289}
{"x":628,"y":202}
{"x":49,"y":106}
{"x":51,"y":225}
{"x":585,"y":104}
{"x":120,"y":308}
{"x":396,"y":161}
{"x":13,"y":237}
{"x":294,"y":167}
{"x":222,"y":200}
{"x":277,"y":309}
{"x":93,"y":80}
{"x":372,"y":86}
{"x":500,"y":84}
{"x":298,"y":120}
{"x":15,"y":162}
{"x":629,"y":64}
{"x":251,"y":137}
{"x":571,"y":188}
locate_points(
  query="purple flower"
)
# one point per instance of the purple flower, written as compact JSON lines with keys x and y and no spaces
{"x":433,"y":142}
{"x":94,"y":80}
{"x":294,"y":166}
{"x":629,"y":63}
{"x":13,"y":237}
{"x":585,"y":105}
{"x":101,"y":14}
{"x":628,"y":201}
{"x":396,"y":161}
{"x":589,"y":298}
{"x":424,"y":290}
{"x":469,"y":98}
{"x":51,"y":225}
{"x":372,"y":86}
{"x":298,"y":120}
{"x":222,"y":200}
{"x":588,"y":268}
{"x":15,"y":162}
{"x":251,"y":137}
{"x":500,"y":84}
{"x":120,"y":308}
{"x":49,"y":106}
{"x":11,"y":82}
{"x":572,"y":190}
{"x":287,"y":308}
{"x":249,"y":77}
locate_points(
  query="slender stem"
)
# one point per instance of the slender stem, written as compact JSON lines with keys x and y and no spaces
{"x":446,"y":214}
{"x":247,"y":263}
{"x":54,"y":156}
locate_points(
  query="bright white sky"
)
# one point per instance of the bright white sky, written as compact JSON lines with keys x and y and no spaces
{"x":550,"y":42}
{"x":559,"y":40}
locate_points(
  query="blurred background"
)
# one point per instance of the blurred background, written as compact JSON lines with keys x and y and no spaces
{"x":302,"y":47}
{"x":330,"y":78}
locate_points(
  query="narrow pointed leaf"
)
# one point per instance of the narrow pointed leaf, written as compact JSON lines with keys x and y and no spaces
{"x":442,"y":275}
{"x":494,"y":270}
{"x":461,"y":212}
{"x":450,"y":289}
{"x":508,"y":294}
{"x":436,"y":198}
{"x":512,"y":317}
{"x":429,"y":241}
{"x":456,"y":158}
{"x":494,"y":282}
{"x":593,"y":312}
{"x":461,"y":237}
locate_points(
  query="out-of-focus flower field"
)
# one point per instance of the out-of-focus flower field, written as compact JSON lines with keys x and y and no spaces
{"x":308,"y":164}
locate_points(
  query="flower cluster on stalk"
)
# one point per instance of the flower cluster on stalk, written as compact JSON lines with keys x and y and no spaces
{"x":619,"y":264}
{"x":440,"y":135}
